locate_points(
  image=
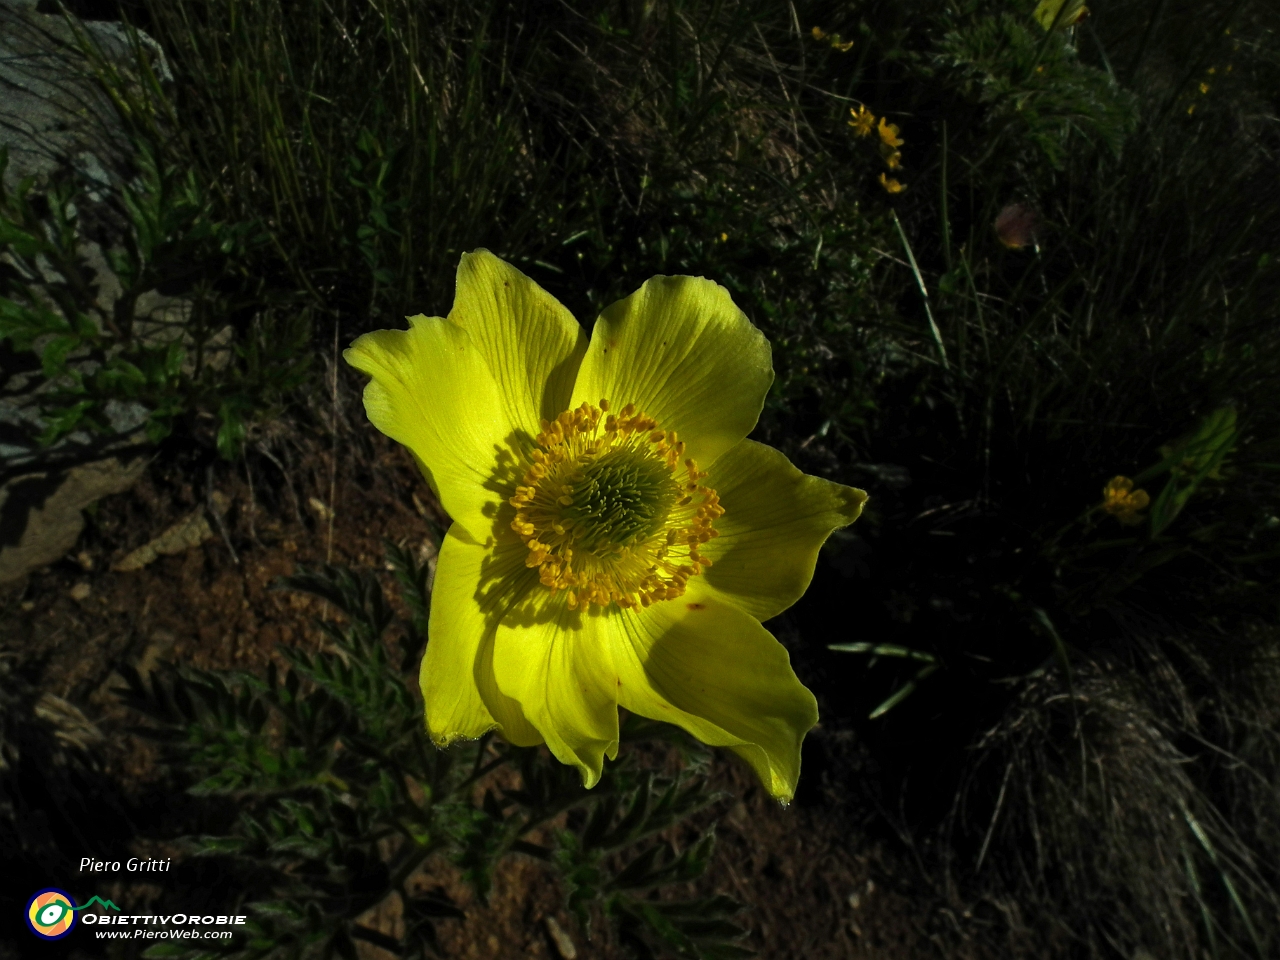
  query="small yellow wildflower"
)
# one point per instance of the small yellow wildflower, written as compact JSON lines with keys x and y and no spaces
{"x":891,"y":185}
{"x":724,"y":237}
{"x":596,"y":560}
{"x":1123,"y":502}
{"x":1048,"y":16}
{"x":833,"y":39}
{"x":893,"y":158}
{"x":863,"y":122}
{"x":889,"y":134}
{"x":1211,"y":71}
{"x":1204,"y":88}
{"x":1191,"y":109}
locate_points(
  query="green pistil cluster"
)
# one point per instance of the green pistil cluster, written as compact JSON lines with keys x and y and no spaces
{"x":619,"y":499}
{"x":613,"y":515}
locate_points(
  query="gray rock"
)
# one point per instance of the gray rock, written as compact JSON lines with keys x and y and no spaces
{"x":56,"y":117}
{"x":52,"y":109}
{"x":40,"y":513}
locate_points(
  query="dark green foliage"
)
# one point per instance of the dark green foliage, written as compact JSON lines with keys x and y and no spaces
{"x":1027,"y":91}
{"x":52,"y":309}
{"x":1118,"y":679}
{"x":1111,"y":676}
{"x":340,"y":797}
{"x":236,"y":350}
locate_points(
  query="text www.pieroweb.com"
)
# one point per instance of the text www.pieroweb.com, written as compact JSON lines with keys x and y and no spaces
{"x":141,"y":933}
{"x":178,"y":926}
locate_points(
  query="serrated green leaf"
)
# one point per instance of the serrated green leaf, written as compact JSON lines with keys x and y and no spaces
{"x":231,"y":431}
{"x":280,"y":908}
{"x":640,"y":871}
{"x":63,"y":421}
{"x":214,"y":845}
{"x":23,"y":243}
{"x":53,"y":358}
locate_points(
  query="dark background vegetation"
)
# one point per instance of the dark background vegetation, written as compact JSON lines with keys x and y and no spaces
{"x":1089,"y":765}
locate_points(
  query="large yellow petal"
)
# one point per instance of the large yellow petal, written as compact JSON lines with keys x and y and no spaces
{"x":431,"y":391}
{"x":775,"y":520}
{"x":474,"y":587}
{"x":530,"y":342}
{"x":557,"y":664}
{"x":710,"y":668}
{"x":682,"y":352}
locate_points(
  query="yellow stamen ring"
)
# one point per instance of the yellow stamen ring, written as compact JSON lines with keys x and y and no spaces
{"x":611,"y":510}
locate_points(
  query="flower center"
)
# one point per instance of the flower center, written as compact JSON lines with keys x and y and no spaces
{"x":610,"y":509}
{"x":620,"y":500}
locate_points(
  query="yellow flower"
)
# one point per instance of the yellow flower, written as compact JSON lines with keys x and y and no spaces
{"x":1204,"y":88}
{"x":1123,"y":502}
{"x":891,"y":185}
{"x":833,"y":39}
{"x":863,"y":122}
{"x":616,"y":539}
{"x":889,"y":134}
{"x":1047,"y":15}
{"x":892,"y":158}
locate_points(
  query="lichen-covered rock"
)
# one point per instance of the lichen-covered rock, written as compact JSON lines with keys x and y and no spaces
{"x":55,"y":117}
{"x":190,"y":531}
{"x":40,"y":513}
{"x":52,"y":110}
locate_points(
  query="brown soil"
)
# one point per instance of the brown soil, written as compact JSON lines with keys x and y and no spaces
{"x":817,"y":880}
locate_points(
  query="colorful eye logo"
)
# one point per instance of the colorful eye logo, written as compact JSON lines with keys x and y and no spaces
{"x":50,"y":914}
